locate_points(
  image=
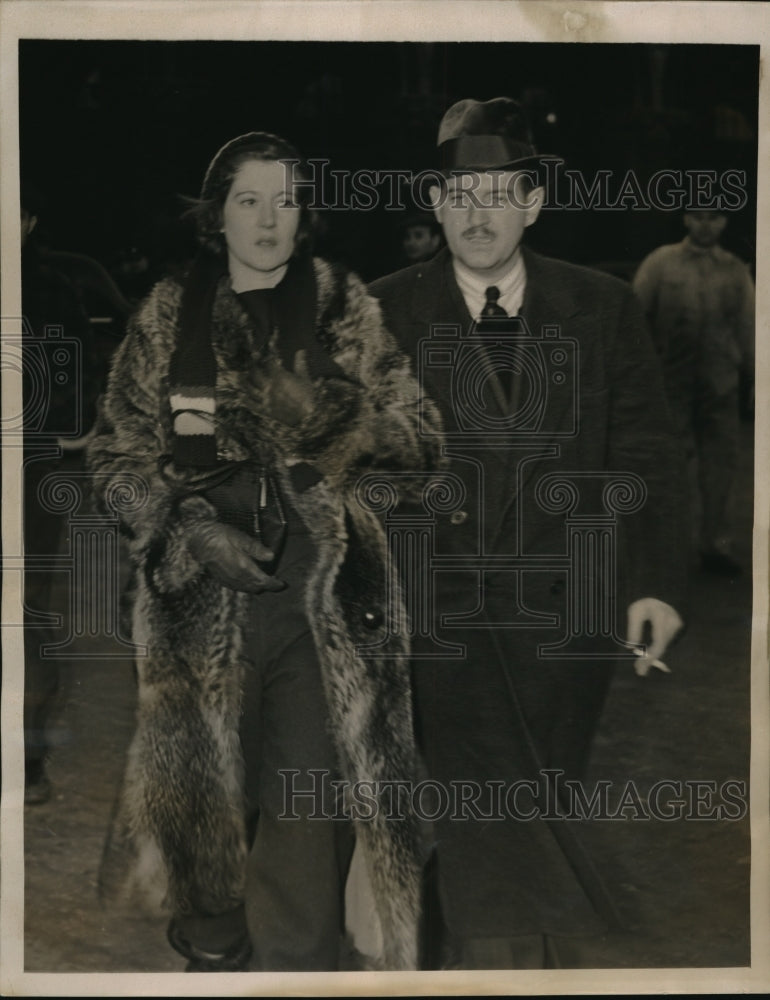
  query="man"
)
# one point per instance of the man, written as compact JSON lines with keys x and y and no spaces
{"x":58,"y":406}
{"x":552,"y":398}
{"x":420,"y":237}
{"x":699,"y":299}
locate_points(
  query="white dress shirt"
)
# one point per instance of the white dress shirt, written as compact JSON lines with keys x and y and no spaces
{"x":474,"y":288}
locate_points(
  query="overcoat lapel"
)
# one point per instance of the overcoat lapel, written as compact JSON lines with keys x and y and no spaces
{"x":438,"y":301}
{"x":546,"y":302}
{"x":549,"y":309}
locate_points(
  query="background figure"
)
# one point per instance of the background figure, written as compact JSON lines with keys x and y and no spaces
{"x":59,"y":405}
{"x":101,"y":297}
{"x":699,"y":299}
{"x":134,"y":274}
{"x":102,"y":300}
{"x":105,"y":306}
{"x":421,"y":237}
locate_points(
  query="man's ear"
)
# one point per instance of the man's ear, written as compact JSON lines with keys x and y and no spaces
{"x":31,"y":223}
{"x":437,"y":201}
{"x":535,"y":200}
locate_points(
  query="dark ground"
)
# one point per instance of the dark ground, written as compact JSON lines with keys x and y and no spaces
{"x":682,"y":886}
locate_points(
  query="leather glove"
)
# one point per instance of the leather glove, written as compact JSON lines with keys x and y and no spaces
{"x":232,"y":557}
{"x":290,"y":394}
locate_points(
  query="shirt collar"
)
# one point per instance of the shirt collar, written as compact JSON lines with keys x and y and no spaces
{"x":474,"y":288}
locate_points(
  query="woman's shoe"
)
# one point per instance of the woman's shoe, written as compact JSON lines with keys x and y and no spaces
{"x":234,"y":959}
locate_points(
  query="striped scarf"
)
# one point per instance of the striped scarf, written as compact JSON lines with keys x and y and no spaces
{"x":193,"y":368}
{"x":289,"y":309}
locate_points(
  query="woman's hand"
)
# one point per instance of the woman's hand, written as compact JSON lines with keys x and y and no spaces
{"x":231,"y":556}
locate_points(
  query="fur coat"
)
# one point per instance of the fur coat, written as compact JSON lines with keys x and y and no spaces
{"x":178,"y":837}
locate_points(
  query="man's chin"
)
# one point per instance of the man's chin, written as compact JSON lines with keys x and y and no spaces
{"x":485,"y":263}
{"x":480,"y":260}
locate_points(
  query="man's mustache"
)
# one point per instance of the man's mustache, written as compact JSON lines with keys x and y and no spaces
{"x":477,"y":231}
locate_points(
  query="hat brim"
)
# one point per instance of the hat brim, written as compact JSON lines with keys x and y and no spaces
{"x":534,"y":163}
{"x":471,"y":153}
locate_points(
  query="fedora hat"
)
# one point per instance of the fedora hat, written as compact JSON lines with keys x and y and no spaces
{"x":485,"y":135}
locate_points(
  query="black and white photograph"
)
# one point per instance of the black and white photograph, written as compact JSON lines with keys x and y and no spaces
{"x":385,"y":506}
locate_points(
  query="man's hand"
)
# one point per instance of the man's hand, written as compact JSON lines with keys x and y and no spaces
{"x":229,"y":555}
{"x":664,"y":625}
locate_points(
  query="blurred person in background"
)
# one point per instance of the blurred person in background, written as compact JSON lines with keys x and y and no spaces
{"x":421,"y":237}
{"x":59,"y":404}
{"x":699,"y":300}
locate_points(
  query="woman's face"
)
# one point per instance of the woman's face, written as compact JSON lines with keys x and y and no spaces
{"x":260,"y":217}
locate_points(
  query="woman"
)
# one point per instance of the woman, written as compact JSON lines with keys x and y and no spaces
{"x":250,"y":401}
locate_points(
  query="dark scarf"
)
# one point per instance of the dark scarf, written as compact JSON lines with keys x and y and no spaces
{"x":284,"y":316}
{"x":193,"y":368}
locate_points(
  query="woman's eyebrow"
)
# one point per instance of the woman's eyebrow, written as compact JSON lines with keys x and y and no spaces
{"x":278,"y":194}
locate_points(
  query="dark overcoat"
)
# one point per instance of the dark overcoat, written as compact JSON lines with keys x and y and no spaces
{"x":566,"y":506}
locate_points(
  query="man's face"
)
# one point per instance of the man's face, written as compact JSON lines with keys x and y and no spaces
{"x":705,"y":228}
{"x":420,"y":243}
{"x":484,"y":216}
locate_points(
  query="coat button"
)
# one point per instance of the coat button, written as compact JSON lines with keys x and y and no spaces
{"x":557,"y":587}
{"x":372,"y":619}
{"x":458,"y":516}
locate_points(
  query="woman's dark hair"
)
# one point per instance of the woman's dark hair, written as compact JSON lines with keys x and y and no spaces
{"x":207,"y":210}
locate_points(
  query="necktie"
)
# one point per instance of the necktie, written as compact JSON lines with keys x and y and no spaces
{"x":491,"y":319}
{"x":491,"y":308}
